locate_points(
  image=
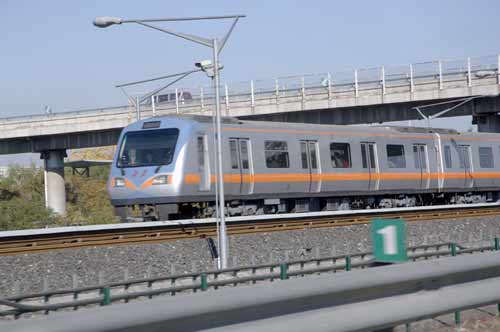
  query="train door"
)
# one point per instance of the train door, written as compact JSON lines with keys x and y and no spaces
{"x":241,"y":159}
{"x":464,"y":153}
{"x":370,"y":162}
{"x":309,"y":152}
{"x":421,"y":158}
{"x":203,"y":163}
{"x":440,"y":161}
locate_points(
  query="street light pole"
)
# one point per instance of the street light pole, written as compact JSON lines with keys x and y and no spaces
{"x":103,"y":22}
{"x":220,"y":172}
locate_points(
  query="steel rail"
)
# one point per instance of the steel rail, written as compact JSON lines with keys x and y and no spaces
{"x":108,"y":237}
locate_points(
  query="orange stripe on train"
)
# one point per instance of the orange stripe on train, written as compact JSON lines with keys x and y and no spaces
{"x":277,"y":178}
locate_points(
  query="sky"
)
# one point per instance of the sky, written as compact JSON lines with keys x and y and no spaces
{"x":51,"y":54}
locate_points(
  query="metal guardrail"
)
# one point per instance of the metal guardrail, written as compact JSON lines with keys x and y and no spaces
{"x":438,"y":74}
{"x":354,"y":301}
{"x":126,"y":291}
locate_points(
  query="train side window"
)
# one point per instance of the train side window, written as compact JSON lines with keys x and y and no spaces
{"x":312,"y":153}
{"x":363,"y":156}
{"x":340,"y":154}
{"x":486,"y":157}
{"x":447,"y":156}
{"x":371,"y":151}
{"x":464,"y":156}
{"x":303,"y":154}
{"x":396,"y":156}
{"x":201,"y":153}
{"x":233,"y":149}
{"x":420,"y":156}
{"x":244,"y":154}
{"x":461,"y":156}
{"x":276,"y":153}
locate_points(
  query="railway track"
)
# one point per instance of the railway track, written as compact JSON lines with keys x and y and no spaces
{"x":33,"y":243}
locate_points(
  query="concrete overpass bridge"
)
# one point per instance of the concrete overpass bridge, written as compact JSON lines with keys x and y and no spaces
{"x":380,"y":94}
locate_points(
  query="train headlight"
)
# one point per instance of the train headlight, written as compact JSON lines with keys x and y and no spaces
{"x":119,"y":182}
{"x":161,"y":179}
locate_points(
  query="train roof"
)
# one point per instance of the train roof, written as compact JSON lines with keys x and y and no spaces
{"x":230,"y":121}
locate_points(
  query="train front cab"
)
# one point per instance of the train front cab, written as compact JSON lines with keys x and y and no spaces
{"x":144,"y":172}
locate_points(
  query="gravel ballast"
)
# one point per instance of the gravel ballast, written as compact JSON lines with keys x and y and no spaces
{"x":90,"y":266}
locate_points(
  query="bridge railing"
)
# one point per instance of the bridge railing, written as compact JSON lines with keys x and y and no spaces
{"x":356,"y":83}
{"x":350,"y":84}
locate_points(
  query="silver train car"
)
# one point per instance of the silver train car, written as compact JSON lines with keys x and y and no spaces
{"x":164,"y":168}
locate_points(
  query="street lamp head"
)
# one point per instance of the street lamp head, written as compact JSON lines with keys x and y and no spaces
{"x":106,"y":21}
{"x":208,"y":67}
{"x":204,"y":64}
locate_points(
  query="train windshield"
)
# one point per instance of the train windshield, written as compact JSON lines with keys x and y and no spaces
{"x":148,"y":148}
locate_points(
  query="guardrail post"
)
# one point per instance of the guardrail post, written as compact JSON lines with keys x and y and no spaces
{"x":469,"y":74}
{"x":204,"y":283}
{"x":382,"y":74}
{"x":106,"y":296}
{"x":176,"y":101}
{"x":252,"y":94}
{"x":412,"y":84}
{"x":75,"y":292}
{"x":356,"y":90}
{"x":457,"y":313}
{"x":277,"y":91}
{"x":498,"y":68}
{"x":283,"y":271}
{"x":303,"y":90}
{"x":440,"y":69}
{"x":202,"y":101}
{"x":172,"y":284}
{"x":453,"y":249}
{"x":226,"y":92}
{"x":497,"y":247}
{"x":153,"y":105}
{"x":457,"y":318}
{"x":348,"y":263}
{"x":329,"y":78}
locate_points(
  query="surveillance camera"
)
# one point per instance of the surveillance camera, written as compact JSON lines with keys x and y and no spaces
{"x":204,"y":64}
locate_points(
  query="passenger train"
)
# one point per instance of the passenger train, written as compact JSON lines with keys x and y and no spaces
{"x":164,"y":167}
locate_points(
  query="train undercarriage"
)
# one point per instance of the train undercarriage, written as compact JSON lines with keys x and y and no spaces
{"x":238,"y":207}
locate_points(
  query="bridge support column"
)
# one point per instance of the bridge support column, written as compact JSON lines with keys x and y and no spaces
{"x":489,"y":122}
{"x":55,"y":193}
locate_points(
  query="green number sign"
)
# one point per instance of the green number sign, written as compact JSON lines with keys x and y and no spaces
{"x":389,"y":240}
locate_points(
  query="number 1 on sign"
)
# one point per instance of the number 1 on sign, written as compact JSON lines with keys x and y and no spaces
{"x":390,"y":239}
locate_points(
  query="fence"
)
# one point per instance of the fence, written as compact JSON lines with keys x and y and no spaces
{"x":356,"y":301}
{"x":172,"y":285}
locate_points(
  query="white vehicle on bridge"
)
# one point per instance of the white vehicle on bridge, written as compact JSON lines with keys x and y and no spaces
{"x":182,"y":97}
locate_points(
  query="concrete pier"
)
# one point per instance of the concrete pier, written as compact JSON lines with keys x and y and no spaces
{"x":55,"y":193}
{"x":489,"y":122}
